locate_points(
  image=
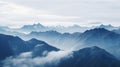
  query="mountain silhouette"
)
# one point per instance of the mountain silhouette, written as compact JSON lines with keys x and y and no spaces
{"x":91,"y":57}
{"x":12,"y":46}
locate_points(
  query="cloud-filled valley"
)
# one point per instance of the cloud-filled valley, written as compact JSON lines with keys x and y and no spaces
{"x":59,"y":33}
{"x":25,"y":60}
{"x":44,"y":46}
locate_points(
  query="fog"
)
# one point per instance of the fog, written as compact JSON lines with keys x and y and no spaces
{"x":25,"y":59}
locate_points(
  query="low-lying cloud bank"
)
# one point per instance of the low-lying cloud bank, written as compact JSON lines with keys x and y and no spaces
{"x":26,"y":60}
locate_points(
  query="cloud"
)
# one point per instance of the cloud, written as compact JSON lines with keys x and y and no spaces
{"x":16,"y":14}
{"x":25,"y":59}
{"x":48,"y":12}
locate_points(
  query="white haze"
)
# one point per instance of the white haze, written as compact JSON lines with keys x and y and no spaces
{"x":25,"y":59}
{"x":15,"y":13}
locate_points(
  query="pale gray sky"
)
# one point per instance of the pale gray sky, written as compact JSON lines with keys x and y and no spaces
{"x":15,"y":13}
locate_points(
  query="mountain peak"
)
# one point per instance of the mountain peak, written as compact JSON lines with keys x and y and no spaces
{"x":34,"y":26}
{"x":99,"y":32}
{"x":108,"y":27}
{"x":38,"y":24}
{"x":95,"y":48}
{"x":103,"y":26}
{"x":94,"y":52}
{"x":36,"y":41}
{"x":33,"y":39}
{"x":91,"y":57}
{"x":96,"y":30}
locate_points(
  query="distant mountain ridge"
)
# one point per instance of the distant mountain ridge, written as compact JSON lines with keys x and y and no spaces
{"x":108,"y":27}
{"x":39,"y":27}
{"x":70,"y":29}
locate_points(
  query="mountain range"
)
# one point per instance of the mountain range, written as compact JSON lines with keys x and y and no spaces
{"x":94,"y":37}
{"x":41,"y":28}
{"x":12,"y":46}
{"x":90,"y":46}
{"x":85,"y":57}
{"x":91,"y":57}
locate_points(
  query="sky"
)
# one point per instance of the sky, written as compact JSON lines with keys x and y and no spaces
{"x":15,"y":13}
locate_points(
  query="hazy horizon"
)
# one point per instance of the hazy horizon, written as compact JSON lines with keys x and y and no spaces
{"x":57,"y":25}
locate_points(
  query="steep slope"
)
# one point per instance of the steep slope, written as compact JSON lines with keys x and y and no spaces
{"x":102,"y":38}
{"x":63,"y":41}
{"x":11,"y":45}
{"x":91,"y":57}
{"x":41,"y":49}
{"x":98,"y":36}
